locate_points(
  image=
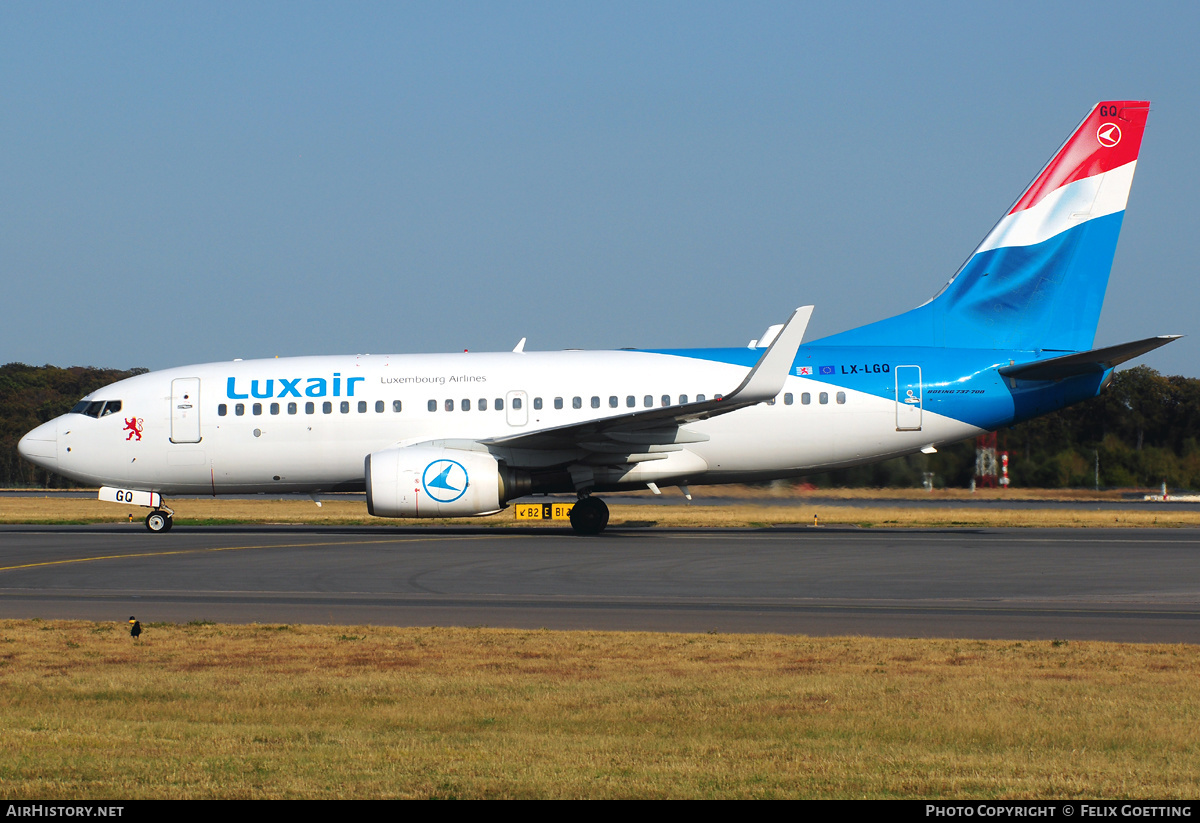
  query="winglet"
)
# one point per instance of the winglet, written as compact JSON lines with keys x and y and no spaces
{"x":520,"y":347}
{"x":766,"y":379}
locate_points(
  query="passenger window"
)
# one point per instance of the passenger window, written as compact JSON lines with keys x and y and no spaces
{"x":516,"y":402}
{"x":310,"y":408}
{"x":449,"y":405}
{"x":239,"y":409}
{"x":613,"y":402}
{"x":595,"y":402}
{"x":683,"y":399}
{"x":699,"y":398}
{"x":432,"y":405}
{"x":379,"y":407}
{"x":666,"y":400}
{"x":327,"y":407}
{"x":771,"y":402}
{"x":482,"y":404}
{"x":499,"y":404}
{"x":291,"y":408}
{"x":718,"y":397}
{"x":630,"y":401}
{"x":577,"y":402}
{"x":648,"y":401}
{"x":256,"y":408}
{"x":787,"y":399}
{"x":805,"y":399}
{"x":222,"y":409}
{"x":362,"y":406}
{"x":466,"y":404}
{"x":823,"y":398}
{"x":396,"y":406}
{"x":537,"y":404}
{"x":841,"y":398}
{"x":558,"y":402}
{"x":345,"y":407}
{"x":274,"y":408}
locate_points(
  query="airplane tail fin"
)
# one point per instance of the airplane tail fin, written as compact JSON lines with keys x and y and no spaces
{"x":1037,"y":280}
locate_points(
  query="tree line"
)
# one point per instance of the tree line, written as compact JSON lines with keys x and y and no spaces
{"x":1142,"y":429}
{"x":31,"y":395}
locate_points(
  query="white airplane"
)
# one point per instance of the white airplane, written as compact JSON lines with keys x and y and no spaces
{"x":1008,"y":338}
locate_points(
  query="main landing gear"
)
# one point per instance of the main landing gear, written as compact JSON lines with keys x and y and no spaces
{"x":160,"y":520}
{"x":589,"y":515}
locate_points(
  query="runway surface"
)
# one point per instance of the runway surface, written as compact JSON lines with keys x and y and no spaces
{"x":1110,"y":584}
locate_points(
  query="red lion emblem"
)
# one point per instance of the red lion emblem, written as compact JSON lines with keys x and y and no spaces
{"x":133,"y":425}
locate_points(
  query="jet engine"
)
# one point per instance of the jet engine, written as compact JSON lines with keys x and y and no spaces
{"x":435,"y":481}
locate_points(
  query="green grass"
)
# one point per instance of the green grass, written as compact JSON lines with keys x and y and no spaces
{"x":880,"y":513}
{"x":204,"y":710}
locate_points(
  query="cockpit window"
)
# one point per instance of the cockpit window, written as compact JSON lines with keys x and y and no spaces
{"x":96,"y":408}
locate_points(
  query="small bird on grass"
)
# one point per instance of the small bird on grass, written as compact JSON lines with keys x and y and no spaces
{"x":135,"y":628}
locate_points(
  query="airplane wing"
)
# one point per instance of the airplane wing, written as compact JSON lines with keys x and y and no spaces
{"x":1087,"y":362}
{"x":661,"y":425}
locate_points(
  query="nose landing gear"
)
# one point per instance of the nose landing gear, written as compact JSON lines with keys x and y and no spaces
{"x":160,"y":520}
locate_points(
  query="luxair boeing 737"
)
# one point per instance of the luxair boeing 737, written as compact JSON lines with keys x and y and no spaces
{"x":1009,"y":337}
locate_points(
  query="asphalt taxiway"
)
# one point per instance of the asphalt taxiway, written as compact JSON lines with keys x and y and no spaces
{"x":1105,"y":584}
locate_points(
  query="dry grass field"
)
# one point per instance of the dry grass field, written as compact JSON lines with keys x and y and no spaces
{"x":219,"y":711}
{"x":744,"y":515}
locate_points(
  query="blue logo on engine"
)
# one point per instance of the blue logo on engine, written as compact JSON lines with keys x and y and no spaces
{"x":444,"y":480}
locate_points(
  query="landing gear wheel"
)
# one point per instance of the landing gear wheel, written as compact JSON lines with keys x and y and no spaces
{"x":589,"y":516}
{"x":158,"y":521}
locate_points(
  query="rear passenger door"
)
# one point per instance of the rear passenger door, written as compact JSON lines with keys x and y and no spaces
{"x":908,"y":398}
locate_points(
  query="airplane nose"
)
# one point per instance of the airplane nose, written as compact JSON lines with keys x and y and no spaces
{"x":40,"y":446}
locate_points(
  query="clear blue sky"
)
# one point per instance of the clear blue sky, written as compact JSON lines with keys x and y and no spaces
{"x":195,"y":182}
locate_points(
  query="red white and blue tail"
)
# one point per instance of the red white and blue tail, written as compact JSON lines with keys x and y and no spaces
{"x":1037,"y":280}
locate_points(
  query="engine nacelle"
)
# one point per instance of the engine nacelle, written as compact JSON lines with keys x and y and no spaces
{"x":434,"y":481}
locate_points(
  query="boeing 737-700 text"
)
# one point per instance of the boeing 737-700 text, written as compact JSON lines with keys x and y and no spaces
{"x":435,"y":435}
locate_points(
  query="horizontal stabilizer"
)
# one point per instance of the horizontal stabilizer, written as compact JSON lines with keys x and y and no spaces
{"x":1086,"y":362}
{"x":768,"y":337}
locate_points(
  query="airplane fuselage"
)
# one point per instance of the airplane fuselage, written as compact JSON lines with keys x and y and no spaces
{"x":307,"y":423}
